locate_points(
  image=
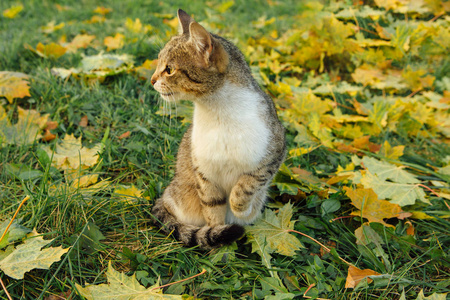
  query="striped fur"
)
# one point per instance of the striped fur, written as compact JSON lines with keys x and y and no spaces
{"x":228,"y":157}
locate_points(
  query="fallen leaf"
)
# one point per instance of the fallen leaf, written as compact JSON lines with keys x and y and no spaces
{"x":84,"y":121}
{"x":370,"y":207}
{"x":272,"y":230}
{"x":13,"y":11}
{"x":71,"y":155}
{"x":399,"y":193}
{"x":124,"y":135}
{"x":29,"y":255}
{"x":122,"y":287}
{"x":146,"y":70}
{"x":27,"y":129}
{"x":410,"y":230}
{"x":130,"y":194}
{"x":391,"y":152}
{"x":13,"y":85}
{"x":51,"y":50}
{"x":79,"y":41}
{"x":366,"y":235}
{"x":97,"y":67}
{"x":355,"y":275}
{"x":113,"y":43}
{"x":102,"y":10}
{"x":52,"y":27}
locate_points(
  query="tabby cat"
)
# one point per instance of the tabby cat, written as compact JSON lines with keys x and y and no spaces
{"x":229,"y":155}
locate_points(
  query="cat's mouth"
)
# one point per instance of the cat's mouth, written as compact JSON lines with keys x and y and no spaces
{"x":167,"y":94}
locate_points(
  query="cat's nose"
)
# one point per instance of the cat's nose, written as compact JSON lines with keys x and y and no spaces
{"x":153,"y":79}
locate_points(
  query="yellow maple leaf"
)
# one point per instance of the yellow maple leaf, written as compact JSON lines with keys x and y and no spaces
{"x":115,"y":42}
{"x":131,"y":194}
{"x":13,"y":85}
{"x":391,"y":152}
{"x":136,"y":26}
{"x":145,"y":71}
{"x":79,"y":41}
{"x":102,"y":10}
{"x":51,"y":27}
{"x":370,"y":207}
{"x":95,"y":19}
{"x":51,"y":50}
{"x":13,"y":11}
{"x":71,"y":155}
{"x":27,"y":129}
{"x":355,"y":275}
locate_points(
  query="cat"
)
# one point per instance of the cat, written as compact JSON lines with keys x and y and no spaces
{"x":230,"y":153}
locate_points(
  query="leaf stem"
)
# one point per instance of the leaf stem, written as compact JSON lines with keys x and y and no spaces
{"x":163,"y":286}
{"x":322,"y":245}
{"x":3,"y":235}
{"x":15,"y":214}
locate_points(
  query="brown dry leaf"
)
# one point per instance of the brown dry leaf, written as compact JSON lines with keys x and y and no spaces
{"x":124,"y":135}
{"x":48,"y":136}
{"x":83,"y":122}
{"x":51,"y":125}
{"x":79,"y":41}
{"x":13,"y":85}
{"x":115,"y":42}
{"x":370,"y":207}
{"x":355,"y":275}
{"x":410,"y":230}
{"x":358,"y":144}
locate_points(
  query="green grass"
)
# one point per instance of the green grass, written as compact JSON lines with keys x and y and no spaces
{"x":147,"y":159}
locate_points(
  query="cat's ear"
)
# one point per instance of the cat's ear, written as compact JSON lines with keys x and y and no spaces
{"x":184,"y":20}
{"x":201,"y":40}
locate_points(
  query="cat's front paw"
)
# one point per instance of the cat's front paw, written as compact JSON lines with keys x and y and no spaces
{"x":240,"y":209}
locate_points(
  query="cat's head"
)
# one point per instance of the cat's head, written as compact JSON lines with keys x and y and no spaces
{"x":192,"y":64}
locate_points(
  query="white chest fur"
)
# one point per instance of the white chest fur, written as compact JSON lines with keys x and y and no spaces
{"x":229,"y":135}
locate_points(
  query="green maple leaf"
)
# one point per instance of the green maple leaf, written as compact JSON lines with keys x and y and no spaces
{"x":15,"y":232}
{"x":399,"y":193}
{"x":270,"y":234}
{"x":29,"y":255}
{"x":121,"y":287}
{"x":421,"y":296}
{"x":385,"y":170}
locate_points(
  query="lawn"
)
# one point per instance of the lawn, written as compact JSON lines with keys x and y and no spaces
{"x":87,"y":146}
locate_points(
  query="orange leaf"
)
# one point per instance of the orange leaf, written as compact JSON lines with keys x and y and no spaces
{"x":83,"y":121}
{"x":13,"y":85}
{"x":48,"y":136}
{"x":371,"y":207}
{"x":115,"y":42}
{"x":410,"y":230}
{"x":124,"y":135}
{"x":51,"y":125}
{"x":355,"y":275}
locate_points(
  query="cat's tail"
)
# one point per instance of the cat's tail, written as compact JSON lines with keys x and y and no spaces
{"x":205,"y":237}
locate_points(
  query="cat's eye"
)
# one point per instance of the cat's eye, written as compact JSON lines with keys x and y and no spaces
{"x":169,"y":70}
